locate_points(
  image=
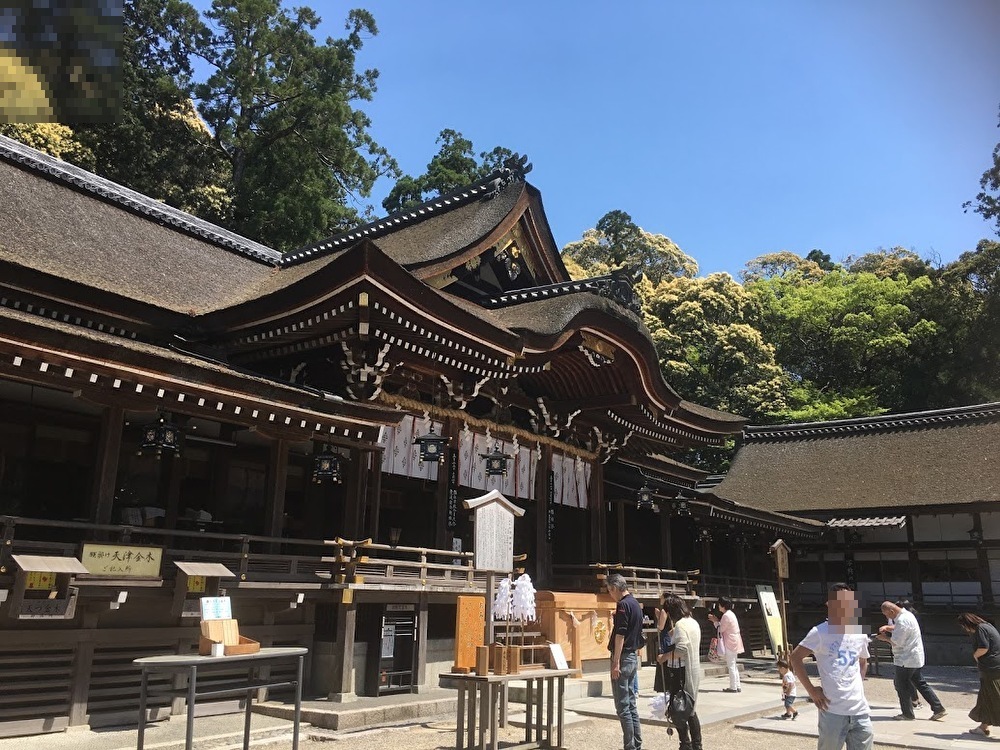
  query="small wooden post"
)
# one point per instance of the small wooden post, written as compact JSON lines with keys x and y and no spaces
{"x":779,"y":550}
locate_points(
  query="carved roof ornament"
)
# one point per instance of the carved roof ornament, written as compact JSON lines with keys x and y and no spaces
{"x":608,"y":447}
{"x":461,"y":392}
{"x":597,"y":351}
{"x":542,"y":420}
{"x":366,"y":366}
{"x":619,"y":286}
{"x":515,"y":167}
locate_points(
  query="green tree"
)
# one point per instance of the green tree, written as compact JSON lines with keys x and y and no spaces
{"x":821,"y":259}
{"x":159,"y":146}
{"x":52,"y":138}
{"x":890,"y":263}
{"x":987,"y":202}
{"x":710,"y":349}
{"x":783,"y":264}
{"x":617,"y":242}
{"x":966,"y":361}
{"x":281,"y":110}
{"x":453,"y":166}
{"x":847,"y":340}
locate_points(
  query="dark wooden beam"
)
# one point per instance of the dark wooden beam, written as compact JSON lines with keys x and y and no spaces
{"x":543,"y":548}
{"x":277,"y":483}
{"x":106,"y":474}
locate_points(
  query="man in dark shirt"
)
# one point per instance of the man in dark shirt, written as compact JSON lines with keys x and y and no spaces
{"x":626,"y":637}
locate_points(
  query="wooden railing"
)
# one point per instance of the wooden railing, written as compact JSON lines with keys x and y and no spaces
{"x":254,"y":559}
{"x":644,"y":583}
{"x":373,"y":565}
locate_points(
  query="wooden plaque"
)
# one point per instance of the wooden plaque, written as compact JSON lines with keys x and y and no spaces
{"x":470,"y":624}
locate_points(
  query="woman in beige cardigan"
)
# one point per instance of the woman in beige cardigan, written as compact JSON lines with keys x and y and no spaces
{"x":683,"y":662}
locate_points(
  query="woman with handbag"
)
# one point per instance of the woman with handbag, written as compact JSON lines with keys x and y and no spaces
{"x":682,"y":672}
{"x":665,"y":641}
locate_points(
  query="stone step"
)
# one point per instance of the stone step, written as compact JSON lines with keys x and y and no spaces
{"x":344,"y":716}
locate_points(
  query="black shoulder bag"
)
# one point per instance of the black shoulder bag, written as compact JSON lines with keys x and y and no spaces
{"x":681,"y":704}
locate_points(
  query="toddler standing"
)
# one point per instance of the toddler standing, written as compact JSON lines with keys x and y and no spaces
{"x":787,"y":690}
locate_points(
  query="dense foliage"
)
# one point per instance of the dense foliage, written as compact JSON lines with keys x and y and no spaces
{"x":807,"y":339}
{"x":268,"y":142}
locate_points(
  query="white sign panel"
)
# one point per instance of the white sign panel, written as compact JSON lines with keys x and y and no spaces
{"x":494,"y":538}
{"x":216,"y":608}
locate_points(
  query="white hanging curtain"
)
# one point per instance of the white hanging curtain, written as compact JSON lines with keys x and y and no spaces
{"x":520,"y":479}
{"x":400,"y":455}
{"x":572,"y":480}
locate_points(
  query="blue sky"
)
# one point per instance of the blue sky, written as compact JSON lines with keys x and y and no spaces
{"x":734,"y":128}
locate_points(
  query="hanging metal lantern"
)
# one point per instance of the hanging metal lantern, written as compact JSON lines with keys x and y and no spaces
{"x":326,"y":465}
{"x":681,"y":507}
{"x":496,"y":462}
{"x":432,"y":446}
{"x":162,"y":435}
{"x":644,"y":497}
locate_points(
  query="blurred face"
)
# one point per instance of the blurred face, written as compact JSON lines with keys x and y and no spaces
{"x":843,"y":610}
{"x":616,"y":594}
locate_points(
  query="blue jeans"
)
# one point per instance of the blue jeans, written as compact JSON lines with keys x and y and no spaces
{"x":906,"y":681}
{"x":836,"y":730}
{"x":624,"y":692}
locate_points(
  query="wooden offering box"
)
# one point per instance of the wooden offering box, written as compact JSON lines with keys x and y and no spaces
{"x":226,"y":632}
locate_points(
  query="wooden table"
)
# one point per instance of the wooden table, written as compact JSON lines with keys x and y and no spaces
{"x":194,"y":665}
{"x":545,"y":690}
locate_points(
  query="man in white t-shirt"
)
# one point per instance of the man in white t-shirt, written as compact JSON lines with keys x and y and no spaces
{"x":908,"y":659}
{"x":841,"y":652}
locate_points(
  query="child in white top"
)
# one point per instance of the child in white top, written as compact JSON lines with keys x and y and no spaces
{"x":787,"y":690}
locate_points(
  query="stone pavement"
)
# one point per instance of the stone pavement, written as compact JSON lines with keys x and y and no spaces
{"x":727,"y":716}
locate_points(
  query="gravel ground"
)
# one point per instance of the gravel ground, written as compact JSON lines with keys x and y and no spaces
{"x":956,"y":686}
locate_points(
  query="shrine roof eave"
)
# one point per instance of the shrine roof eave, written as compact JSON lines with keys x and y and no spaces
{"x":76,"y":358}
{"x":366,"y":270}
{"x":547,"y":325}
{"x":440,"y":228}
{"x":664,"y":468}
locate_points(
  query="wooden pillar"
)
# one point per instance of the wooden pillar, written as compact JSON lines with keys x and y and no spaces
{"x":916,"y":591}
{"x":620,"y":513}
{"x":442,"y":534}
{"x":421,"y":665}
{"x":354,"y":495}
{"x":170,"y":489}
{"x":666,"y":538}
{"x":108,"y":454}
{"x":79,"y":678}
{"x":342,"y":684}
{"x":982,"y":560}
{"x":543,"y":548}
{"x":706,"y":551}
{"x":596,"y":508}
{"x":277,"y":483}
{"x":373,"y":492}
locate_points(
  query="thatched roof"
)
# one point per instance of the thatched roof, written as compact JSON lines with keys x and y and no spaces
{"x":939,"y":457}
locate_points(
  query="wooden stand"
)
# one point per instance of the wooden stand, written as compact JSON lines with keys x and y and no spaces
{"x":226,"y":632}
{"x":482,"y":660}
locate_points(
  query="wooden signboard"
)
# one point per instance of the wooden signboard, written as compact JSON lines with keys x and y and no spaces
{"x":494,"y":531}
{"x":122,"y":560}
{"x":470,"y":622}
{"x":779,"y":550}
